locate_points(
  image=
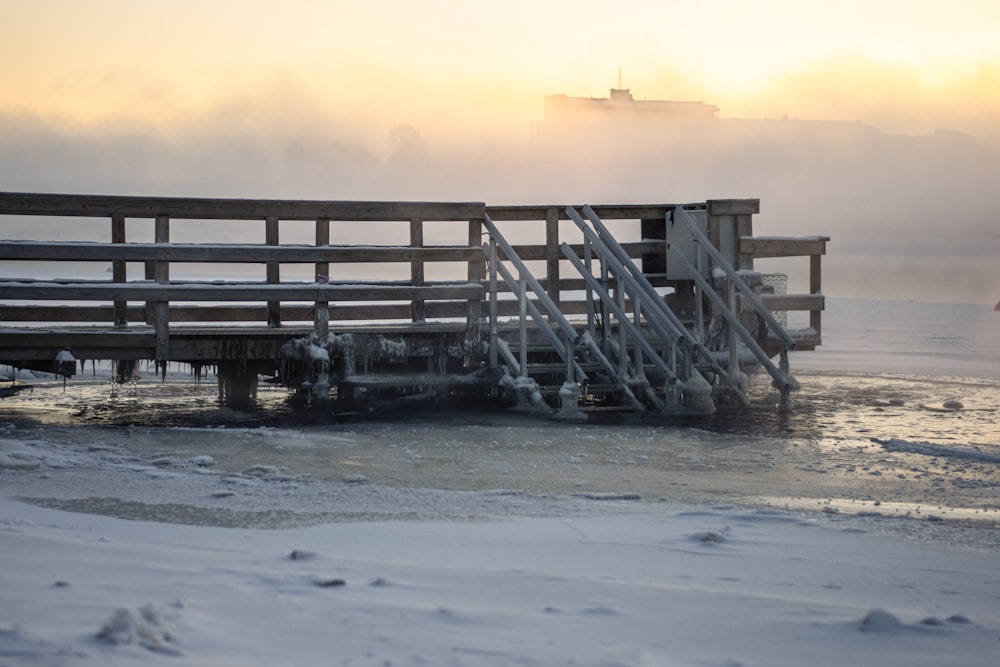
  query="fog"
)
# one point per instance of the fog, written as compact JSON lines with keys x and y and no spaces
{"x":910,"y":201}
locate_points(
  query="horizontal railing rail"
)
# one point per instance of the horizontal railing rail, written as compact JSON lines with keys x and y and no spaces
{"x":231,"y":253}
{"x":41,"y":291}
{"x":98,"y":206}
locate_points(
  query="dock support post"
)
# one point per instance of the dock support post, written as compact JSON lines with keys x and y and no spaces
{"x":237,"y":382}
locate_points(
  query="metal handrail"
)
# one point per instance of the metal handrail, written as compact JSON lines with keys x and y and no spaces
{"x":610,"y":251}
{"x":782,"y":381}
{"x":787,"y":342}
{"x":569,"y":332}
{"x":622,"y":316}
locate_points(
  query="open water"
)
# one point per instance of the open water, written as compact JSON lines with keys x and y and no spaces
{"x":869,"y":433}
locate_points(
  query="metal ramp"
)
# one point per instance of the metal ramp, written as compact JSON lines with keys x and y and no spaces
{"x":632,"y":352}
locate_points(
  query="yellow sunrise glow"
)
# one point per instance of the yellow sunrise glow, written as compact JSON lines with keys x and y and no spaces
{"x":160,"y":60}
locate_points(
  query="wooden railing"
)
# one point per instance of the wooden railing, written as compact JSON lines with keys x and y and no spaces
{"x":365,"y":294}
{"x":813,"y":247}
{"x":368,"y":259}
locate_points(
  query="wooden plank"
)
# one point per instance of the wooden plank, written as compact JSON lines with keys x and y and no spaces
{"x":776,"y":246}
{"x":19,"y":203}
{"x":744,"y":227}
{"x":232,"y":253}
{"x":341,"y":312}
{"x":604,"y":211}
{"x":233,"y":292}
{"x":811,"y":302}
{"x":540,"y":252}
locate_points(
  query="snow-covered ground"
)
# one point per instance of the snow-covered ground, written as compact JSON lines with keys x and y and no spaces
{"x":383,"y":575}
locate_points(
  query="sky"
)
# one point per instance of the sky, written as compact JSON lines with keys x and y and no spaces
{"x":162,"y":59}
{"x":334,"y":100}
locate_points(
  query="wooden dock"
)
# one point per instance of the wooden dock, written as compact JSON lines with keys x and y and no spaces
{"x":569,"y":308}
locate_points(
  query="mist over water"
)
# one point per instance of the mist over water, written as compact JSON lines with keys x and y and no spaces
{"x":906,"y":192}
{"x":869,"y":433}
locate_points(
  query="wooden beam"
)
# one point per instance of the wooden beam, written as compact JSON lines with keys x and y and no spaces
{"x":777,"y":246}
{"x":604,"y":211}
{"x":19,"y":203}
{"x":810,"y":302}
{"x":49,"y":291}
{"x":733,"y":206}
{"x":232,"y":253}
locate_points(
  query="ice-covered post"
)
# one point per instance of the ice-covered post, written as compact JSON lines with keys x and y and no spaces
{"x":569,"y":392}
{"x":118,"y":268}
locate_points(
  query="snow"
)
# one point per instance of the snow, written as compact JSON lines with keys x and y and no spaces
{"x":459,"y":578}
{"x":969,"y":452}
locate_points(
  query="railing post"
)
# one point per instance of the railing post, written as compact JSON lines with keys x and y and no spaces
{"x":418,"y":312}
{"x":161,"y":309}
{"x":474,"y":307}
{"x":321,"y":319}
{"x":816,"y":287}
{"x":552,"y":254}
{"x":118,"y":270}
{"x":494,"y":326}
{"x":273,"y":270}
